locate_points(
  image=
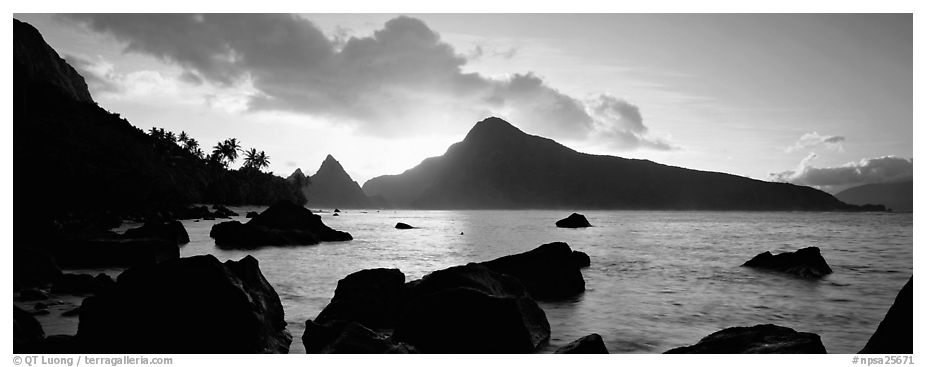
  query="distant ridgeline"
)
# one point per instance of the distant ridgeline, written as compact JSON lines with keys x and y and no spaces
{"x":72,"y":157}
{"x":498,"y":166}
{"x":897,"y":196}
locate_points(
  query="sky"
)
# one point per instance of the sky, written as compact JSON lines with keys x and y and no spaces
{"x":823,"y":100}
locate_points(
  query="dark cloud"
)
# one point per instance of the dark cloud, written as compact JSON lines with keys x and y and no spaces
{"x":401,"y":78}
{"x":865,"y":171}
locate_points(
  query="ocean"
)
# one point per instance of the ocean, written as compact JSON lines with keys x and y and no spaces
{"x":658,"y":279}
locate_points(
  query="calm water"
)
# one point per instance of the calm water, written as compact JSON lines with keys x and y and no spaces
{"x":658,"y":279}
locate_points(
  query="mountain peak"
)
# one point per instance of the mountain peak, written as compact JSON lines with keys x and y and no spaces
{"x":39,"y":71}
{"x":492,"y":127}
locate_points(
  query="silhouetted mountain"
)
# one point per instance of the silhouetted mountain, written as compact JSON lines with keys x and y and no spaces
{"x":73,"y":159}
{"x":332,"y":187}
{"x":898,"y":196}
{"x":499,"y":166}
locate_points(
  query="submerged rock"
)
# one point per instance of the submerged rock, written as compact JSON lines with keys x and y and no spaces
{"x":764,"y":339}
{"x":548,"y":272}
{"x":189,"y":305}
{"x":589,"y":344}
{"x":401,"y":225}
{"x":372,"y":297}
{"x":895,"y":333}
{"x":574,"y":220}
{"x":806,"y":262}
{"x":171,"y":231}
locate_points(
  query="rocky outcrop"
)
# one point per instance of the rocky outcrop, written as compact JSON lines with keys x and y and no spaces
{"x":547,"y":272}
{"x":170,"y":231}
{"x":471,"y":309}
{"x":372,"y":297}
{"x":283,"y":223}
{"x":764,"y":339}
{"x":589,"y":344}
{"x":189,"y":305}
{"x":401,"y":225}
{"x":806,"y":262}
{"x":39,"y":69}
{"x":895,"y":333}
{"x":574,"y":220}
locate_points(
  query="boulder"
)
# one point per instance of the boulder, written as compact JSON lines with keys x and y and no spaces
{"x":471,"y":309}
{"x":33,"y":267}
{"x":574,"y":220}
{"x":401,"y":225}
{"x":286,"y":216}
{"x":350,"y":338}
{"x":335,"y":215}
{"x":188,"y":305}
{"x":336,"y":210}
{"x":764,"y":339}
{"x":581,"y":259}
{"x":79,"y":284}
{"x":895,"y":333}
{"x":235,"y":234}
{"x":171,"y":231}
{"x":547,"y":272}
{"x":194,"y":212}
{"x":26,"y":331}
{"x":250,"y":215}
{"x":806,"y":262}
{"x":589,"y":344}
{"x":223,"y":212}
{"x":372,"y":297}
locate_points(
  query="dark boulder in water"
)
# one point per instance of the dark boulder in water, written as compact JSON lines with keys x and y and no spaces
{"x":547,"y":272}
{"x":589,"y":344}
{"x":351,"y":338}
{"x":574,"y":220}
{"x":806,"y":262}
{"x":171,"y":231}
{"x":235,"y":234}
{"x":764,"y":339}
{"x":337,"y":210}
{"x":401,"y":225}
{"x":223,"y":212}
{"x":581,"y":259}
{"x":471,"y":309}
{"x":895,"y":333}
{"x":189,"y":305}
{"x":283,"y":223}
{"x":372,"y":297}
{"x":26,"y":331}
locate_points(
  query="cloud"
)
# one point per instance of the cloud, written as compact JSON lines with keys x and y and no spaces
{"x":401,"y":79}
{"x":814,"y":139}
{"x":865,"y":171}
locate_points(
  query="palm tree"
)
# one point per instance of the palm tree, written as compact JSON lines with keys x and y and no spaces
{"x":169,"y":136}
{"x":263,"y":160}
{"x":226,"y":151}
{"x":182,"y":137}
{"x":190,"y":144}
{"x":250,"y":158}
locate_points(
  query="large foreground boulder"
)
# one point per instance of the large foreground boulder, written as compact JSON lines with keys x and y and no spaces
{"x":895,"y":333}
{"x":574,"y":220}
{"x":188,"y":305}
{"x":550,"y":271}
{"x":764,"y":339}
{"x":372,"y":297}
{"x":471,"y":309}
{"x":27,"y":332}
{"x":171,"y":231}
{"x":283,"y":223}
{"x":589,"y":344}
{"x":806,"y":262}
{"x":349,"y":337}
